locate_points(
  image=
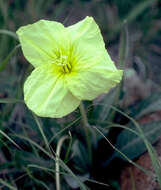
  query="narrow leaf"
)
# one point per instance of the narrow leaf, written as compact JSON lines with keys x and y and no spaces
{"x":6,"y":60}
{"x":149,"y":173}
{"x":10,"y":101}
{"x":153,"y":155}
{"x":2,"y":133}
{"x":132,"y":145}
{"x":102,"y":112}
{"x":9,"y":33}
{"x":139,"y":8}
{"x":146,"y":106}
{"x":7,"y":185}
{"x":62,"y":164}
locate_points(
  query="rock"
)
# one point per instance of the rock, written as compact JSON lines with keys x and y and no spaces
{"x":132,"y":176}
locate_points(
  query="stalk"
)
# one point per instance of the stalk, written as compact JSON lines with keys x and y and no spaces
{"x":86,"y":130}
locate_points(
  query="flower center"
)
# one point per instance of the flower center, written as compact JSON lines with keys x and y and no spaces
{"x":64,"y":63}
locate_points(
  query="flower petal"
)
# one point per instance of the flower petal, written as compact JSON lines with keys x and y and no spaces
{"x":41,"y":40}
{"x":93,"y":72}
{"x":88,"y":44}
{"x":46,"y":94}
{"x":88,"y":84}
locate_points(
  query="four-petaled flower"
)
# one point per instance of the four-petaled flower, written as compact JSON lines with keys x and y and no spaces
{"x":70,"y":64}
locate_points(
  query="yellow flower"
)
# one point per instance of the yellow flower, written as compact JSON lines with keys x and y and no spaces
{"x":70,"y":64}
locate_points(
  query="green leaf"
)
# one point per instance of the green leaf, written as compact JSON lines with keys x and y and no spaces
{"x":80,"y":157}
{"x":132,"y":145}
{"x":72,"y":183}
{"x":5,"y":61}
{"x":101,"y":111}
{"x":146,"y":106}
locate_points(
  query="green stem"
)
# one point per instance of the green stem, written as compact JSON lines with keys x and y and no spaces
{"x":85,"y":126}
{"x":58,"y":150}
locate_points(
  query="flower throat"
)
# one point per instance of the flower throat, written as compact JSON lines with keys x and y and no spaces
{"x":63,"y":62}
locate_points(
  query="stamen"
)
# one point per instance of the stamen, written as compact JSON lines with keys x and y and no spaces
{"x":64,"y":63}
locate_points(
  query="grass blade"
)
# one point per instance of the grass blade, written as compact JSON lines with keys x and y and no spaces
{"x":36,"y":180}
{"x":65,"y":128}
{"x":153,"y":155}
{"x":9,"y":33}
{"x":10,"y":101}
{"x":4,"y":134}
{"x":62,"y":164}
{"x":6,"y":60}
{"x":41,"y":131}
{"x":129,"y":160}
{"x":7,"y":185}
{"x":143,"y":5}
{"x":63,"y":173}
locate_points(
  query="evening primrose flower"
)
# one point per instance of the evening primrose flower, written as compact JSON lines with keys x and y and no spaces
{"x":70,"y":64}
